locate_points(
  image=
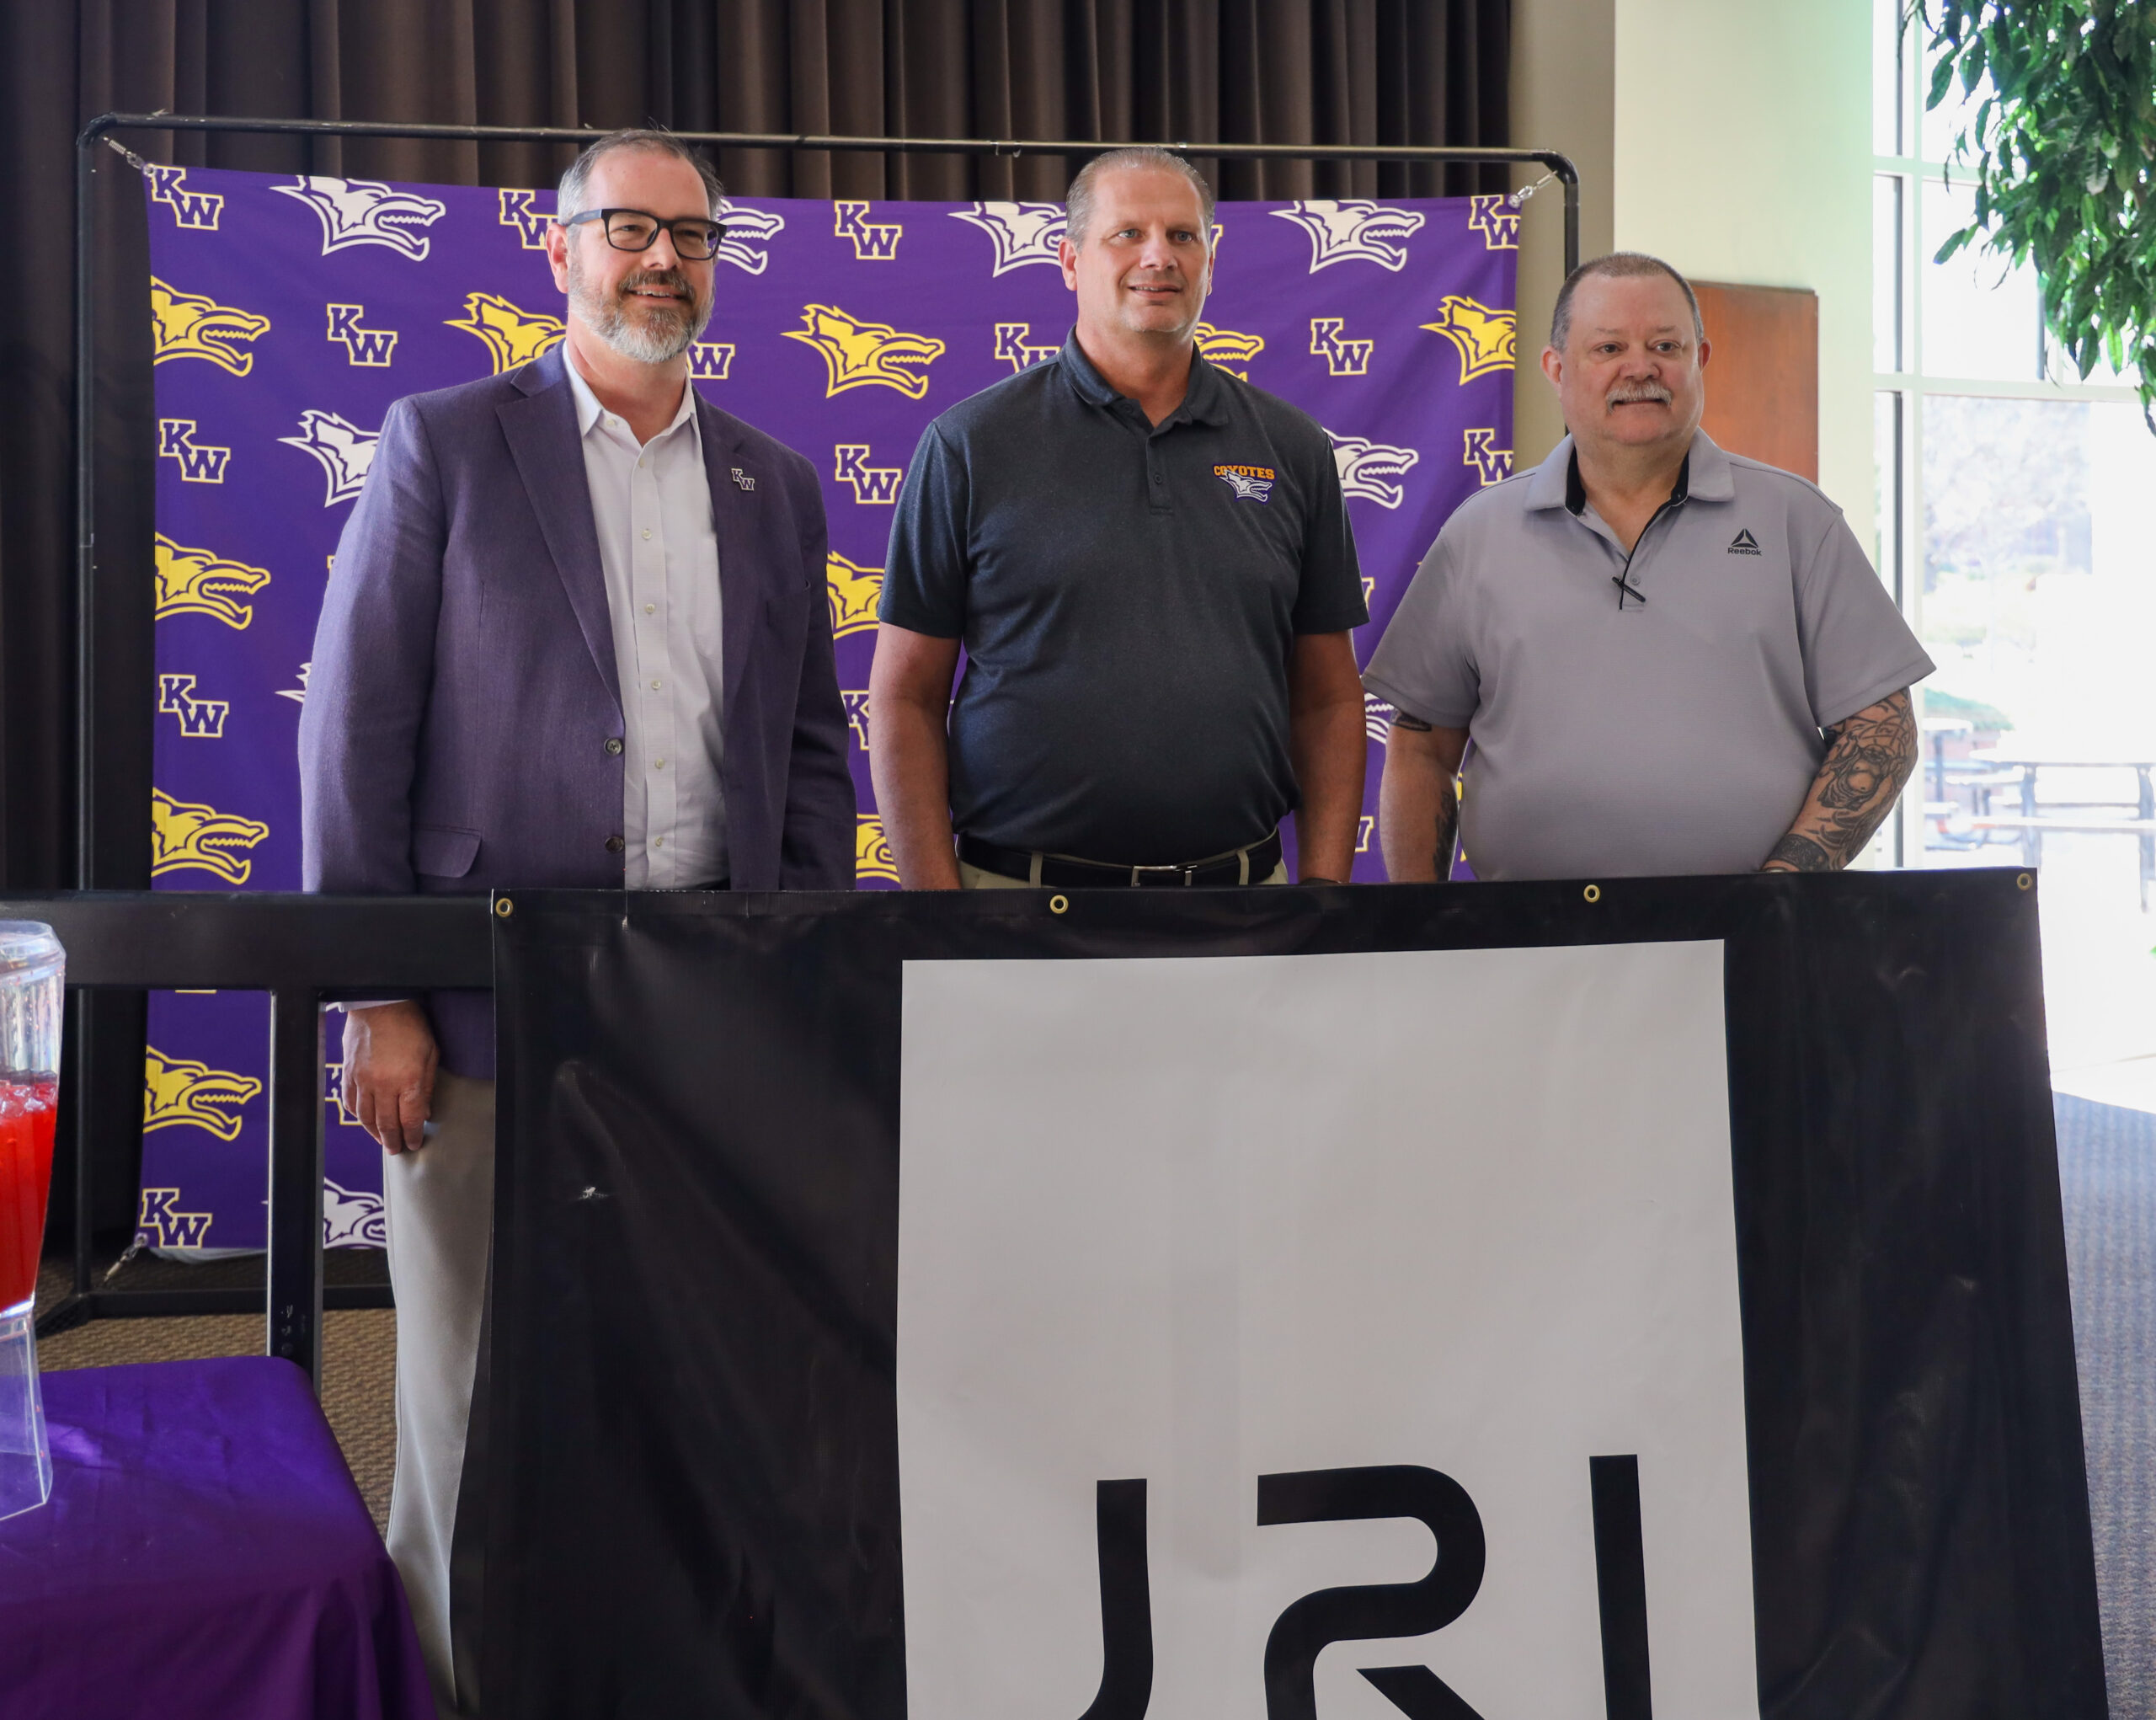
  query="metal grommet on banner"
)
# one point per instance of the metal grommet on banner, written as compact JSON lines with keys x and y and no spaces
{"x":2024,"y":882}
{"x":503,"y":908}
{"x":1059,"y":904}
{"x":1592,"y":892}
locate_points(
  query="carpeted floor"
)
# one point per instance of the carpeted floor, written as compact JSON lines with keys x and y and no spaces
{"x":2107,"y":1178}
{"x":2107,"y":1175}
{"x":358,"y":1348}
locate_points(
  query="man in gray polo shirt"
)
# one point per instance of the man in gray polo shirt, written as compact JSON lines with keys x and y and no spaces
{"x":1670,"y":659}
{"x":1149,"y":564}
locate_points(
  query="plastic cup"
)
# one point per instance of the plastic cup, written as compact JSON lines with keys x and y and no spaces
{"x":31,"y":968}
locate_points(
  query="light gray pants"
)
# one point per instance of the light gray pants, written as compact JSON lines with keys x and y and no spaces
{"x":440,"y":1202}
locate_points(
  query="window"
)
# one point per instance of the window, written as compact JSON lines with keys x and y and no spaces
{"x":2004,"y":486}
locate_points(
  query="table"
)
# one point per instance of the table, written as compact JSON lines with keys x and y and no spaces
{"x":205,"y":1552}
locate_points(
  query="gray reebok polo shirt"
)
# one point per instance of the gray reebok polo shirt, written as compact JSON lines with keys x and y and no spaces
{"x":1129,"y":594}
{"x":1678,"y":734}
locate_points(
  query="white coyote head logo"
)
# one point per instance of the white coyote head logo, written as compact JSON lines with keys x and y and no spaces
{"x":1024,"y":233}
{"x":1368,"y":469}
{"x":352,"y":1219}
{"x":367,"y":212}
{"x":344,"y":450}
{"x":1353,"y":229}
{"x":747,"y":232}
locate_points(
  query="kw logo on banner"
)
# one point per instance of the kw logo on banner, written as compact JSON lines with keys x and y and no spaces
{"x":344,"y":449}
{"x":1377,"y":718}
{"x":857,"y":715}
{"x":1343,"y":357}
{"x":372,"y":348}
{"x":178,"y":1090}
{"x":184,"y":838}
{"x":1370,"y":469}
{"x":710,"y":360}
{"x":188,"y":325}
{"x":162,"y":1225}
{"x":1491,"y":464}
{"x":872,"y":486}
{"x":511,"y":336}
{"x":1354,"y":230}
{"x":872,"y":850}
{"x":196,"y":210}
{"x":367,"y":212}
{"x":1010,"y":343}
{"x":531,"y":223}
{"x":297,"y":695}
{"x":199,"y":719}
{"x":1230,"y":351}
{"x":873,"y":242}
{"x":1497,"y":219}
{"x":858,"y":355}
{"x":1483,"y":338}
{"x":195,"y":582}
{"x":1024,"y":233}
{"x":854,"y":591}
{"x":198,"y":463}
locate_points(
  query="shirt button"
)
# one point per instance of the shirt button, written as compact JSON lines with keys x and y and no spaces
{"x":655,"y":687}
{"x":651,"y":609}
{"x":615,"y":844}
{"x":658,"y":842}
{"x":658,"y":764}
{"x":647,"y":531}
{"x":613,"y":746}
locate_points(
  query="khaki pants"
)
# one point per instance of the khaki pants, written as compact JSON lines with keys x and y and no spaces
{"x":440,"y":1203}
{"x":973,"y":878}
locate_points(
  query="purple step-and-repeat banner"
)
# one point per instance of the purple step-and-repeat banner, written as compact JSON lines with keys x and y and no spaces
{"x":291,"y":311}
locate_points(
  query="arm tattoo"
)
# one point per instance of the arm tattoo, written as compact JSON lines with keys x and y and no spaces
{"x":1869,"y":759}
{"x":1412,"y":723}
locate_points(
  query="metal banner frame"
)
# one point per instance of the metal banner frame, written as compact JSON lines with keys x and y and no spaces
{"x":298,"y":947}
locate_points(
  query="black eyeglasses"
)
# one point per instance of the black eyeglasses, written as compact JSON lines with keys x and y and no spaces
{"x":638,"y":230}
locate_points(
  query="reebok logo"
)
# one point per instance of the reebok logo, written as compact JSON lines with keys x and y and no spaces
{"x":1745,"y":543}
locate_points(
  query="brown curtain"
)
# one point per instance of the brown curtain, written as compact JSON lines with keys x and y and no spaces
{"x":1266,"y":71}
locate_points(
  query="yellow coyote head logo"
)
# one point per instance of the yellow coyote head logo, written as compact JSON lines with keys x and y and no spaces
{"x":1483,"y":338}
{"x":1231,"y":351}
{"x":854,"y":592}
{"x":201,"y":838}
{"x":188,"y":325}
{"x":179,"y":1090}
{"x":872,"y":850}
{"x":858,"y":354}
{"x":194,"y":582}
{"x":512,"y":336}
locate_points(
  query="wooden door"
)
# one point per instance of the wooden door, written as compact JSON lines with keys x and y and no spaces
{"x":1762,"y":374}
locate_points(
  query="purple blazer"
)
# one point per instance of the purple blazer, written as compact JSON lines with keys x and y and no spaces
{"x":464,"y":716}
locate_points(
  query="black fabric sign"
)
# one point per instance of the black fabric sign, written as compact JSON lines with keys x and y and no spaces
{"x":694,"y":1502}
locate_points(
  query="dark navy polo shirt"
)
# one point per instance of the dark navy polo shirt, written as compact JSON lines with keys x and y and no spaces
{"x":1128,"y":595}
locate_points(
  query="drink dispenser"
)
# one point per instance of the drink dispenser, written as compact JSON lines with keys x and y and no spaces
{"x":31,"y":962}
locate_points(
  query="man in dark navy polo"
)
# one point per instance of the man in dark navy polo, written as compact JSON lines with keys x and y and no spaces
{"x":1149,"y":564}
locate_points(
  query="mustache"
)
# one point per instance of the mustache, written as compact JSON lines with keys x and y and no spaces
{"x":666,"y":279}
{"x":1631,"y":394}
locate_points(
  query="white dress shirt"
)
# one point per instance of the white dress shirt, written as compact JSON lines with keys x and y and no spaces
{"x":657,"y":547}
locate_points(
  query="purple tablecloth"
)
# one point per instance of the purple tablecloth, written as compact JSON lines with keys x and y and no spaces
{"x":205,"y":1552}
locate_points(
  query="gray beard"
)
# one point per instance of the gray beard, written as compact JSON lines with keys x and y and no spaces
{"x":653,"y":338}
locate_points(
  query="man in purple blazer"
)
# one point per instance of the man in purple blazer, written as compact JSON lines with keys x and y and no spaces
{"x":576,"y":635}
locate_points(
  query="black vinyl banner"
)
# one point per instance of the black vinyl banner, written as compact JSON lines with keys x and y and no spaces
{"x":1493,"y":1300}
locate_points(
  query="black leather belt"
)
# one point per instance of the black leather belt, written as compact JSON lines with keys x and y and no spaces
{"x":1065,"y":871}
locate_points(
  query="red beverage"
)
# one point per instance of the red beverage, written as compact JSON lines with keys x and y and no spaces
{"x":29,"y":1110}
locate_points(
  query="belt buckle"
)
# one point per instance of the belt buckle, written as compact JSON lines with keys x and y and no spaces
{"x":1137,"y":882}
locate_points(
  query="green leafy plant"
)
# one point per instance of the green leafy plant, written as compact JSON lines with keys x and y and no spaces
{"x":2063,"y":149}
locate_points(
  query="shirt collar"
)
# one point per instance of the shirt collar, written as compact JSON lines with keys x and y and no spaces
{"x":1705,"y":476}
{"x":1205,"y":401}
{"x":589,"y":411}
